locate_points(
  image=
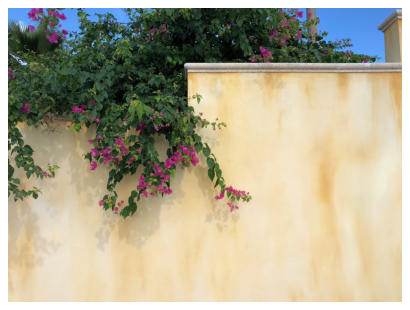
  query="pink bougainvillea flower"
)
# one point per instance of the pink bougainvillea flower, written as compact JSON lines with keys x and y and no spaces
{"x":299,"y":36}
{"x":101,"y":203}
{"x":62,"y":16}
{"x":294,"y":19}
{"x":65,"y":32}
{"x":97,"y":120}
{"x":94,"y":152}
{"x":299,"y":13}
{"x":284,"y":23}
{"x":116,"y":210}
{"x":99,"y":137}
{"x":91,"y":141}
{"x":118,"y":141}
{"x":77,"y":109}
{"x":93,"y":165}
{"x":53,"y":38}
{"x":92,"y":102}
{"x":163,"y":28}
{"x":152,"y":33}
{"x":25,"y":108}
{"x":365,"y":61}
{"x":31,"y":28}
{"x":88,"y":116}
{"x":51,"y":24}
{"x":131,"y":160}
{"x":156,"y":128}
{"x":220,"y":196}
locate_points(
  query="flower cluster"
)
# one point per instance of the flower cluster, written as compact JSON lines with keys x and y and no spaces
{"x":289,"y":27}
{"x":52,"y":22}
{"x":234,"y":195}
{"x":83,"y":108}
{"x":154,"y":31}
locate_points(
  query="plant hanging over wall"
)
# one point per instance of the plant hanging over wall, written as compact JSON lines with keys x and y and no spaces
{"x":127,"y":80}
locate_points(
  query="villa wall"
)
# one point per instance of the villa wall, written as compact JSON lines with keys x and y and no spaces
{"x":317,"y":146}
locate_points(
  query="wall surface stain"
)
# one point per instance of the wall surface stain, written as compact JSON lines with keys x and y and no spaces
{"x":319,"y":152}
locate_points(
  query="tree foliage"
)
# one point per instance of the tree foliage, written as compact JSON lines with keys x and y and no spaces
{"x":128,"y":81}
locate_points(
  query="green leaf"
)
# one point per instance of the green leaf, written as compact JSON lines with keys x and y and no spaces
{"x":206,"y":151}
{"x":210,"y":162}
{"x":211,"y":174}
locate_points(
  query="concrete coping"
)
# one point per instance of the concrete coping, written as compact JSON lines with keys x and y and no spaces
{"x":390,"y":20}
{"x":293,"y":67}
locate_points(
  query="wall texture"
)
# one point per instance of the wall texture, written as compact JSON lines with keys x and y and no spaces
{"x":391,"y":27}
{"x":320,"y":153}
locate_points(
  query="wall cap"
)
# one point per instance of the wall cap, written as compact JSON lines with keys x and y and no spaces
{"x":293,"y":67}
{"x":390,"y":20}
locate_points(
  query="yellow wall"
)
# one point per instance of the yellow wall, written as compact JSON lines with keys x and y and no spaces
{"x":392,"y":42}
{"x":320,"y":154}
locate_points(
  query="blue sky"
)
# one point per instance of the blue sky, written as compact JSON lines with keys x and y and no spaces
{"x":360,"y":25}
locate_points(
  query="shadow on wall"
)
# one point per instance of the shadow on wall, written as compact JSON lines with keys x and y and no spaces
{"x":82,"y":189}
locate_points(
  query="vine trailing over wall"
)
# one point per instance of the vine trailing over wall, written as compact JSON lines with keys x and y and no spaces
{"x":127,"y":81}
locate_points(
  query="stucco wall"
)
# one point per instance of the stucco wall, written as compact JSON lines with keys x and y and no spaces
{"x":392,"y":42}
{"x":320,"y":154}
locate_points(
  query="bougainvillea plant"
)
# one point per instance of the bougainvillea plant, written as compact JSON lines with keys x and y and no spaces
{"x":127,"y":81}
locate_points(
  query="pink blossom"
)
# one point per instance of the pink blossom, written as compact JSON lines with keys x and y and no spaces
{"x":101,"y":203}
{"x":62,"y":16}
{"x":116,"y":210}
{"x":93,"y":165}
{"x":294,"y":19}
{"x":97,"y":120}
{"x":299,"y":36}
{"x":53,"y":38}
{"x":88,"y":116}
{"x":299,"y":13}
{"x":77,"y":109}
{"x":283,"y":42}
{"x":52,"y":24}
{"x":65,"y":32}
{"x":284,"y":23}
{"x":91,"y":141}
{"x":94,"y":152}
{"x":25,"y":108}
{"x":92,"y":102}
{"x":221,"y":195}
{"x":99,"y":137}
{"x":163,"y":28}
{"x":31,"y":28}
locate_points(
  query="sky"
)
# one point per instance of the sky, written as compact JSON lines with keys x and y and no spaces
{"x":360,"y":25}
